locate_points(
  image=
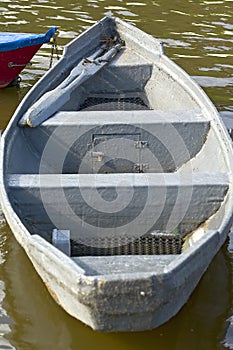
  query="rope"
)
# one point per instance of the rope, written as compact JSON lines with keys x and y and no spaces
{"x":53,"y":41}
{"x":106,"y":39}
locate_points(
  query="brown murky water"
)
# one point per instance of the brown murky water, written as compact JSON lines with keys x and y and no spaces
{"x":198,"y":35}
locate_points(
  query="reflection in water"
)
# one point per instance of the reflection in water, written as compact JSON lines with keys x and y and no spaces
{"x":213,"y":82}
{"x":228,"y":339}
{"x":198,"y":36}
{"x":229,"y":335}
{"x":5,"y":320}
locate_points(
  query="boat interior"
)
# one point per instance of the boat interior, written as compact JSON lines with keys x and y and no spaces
{"x":127,"y":167}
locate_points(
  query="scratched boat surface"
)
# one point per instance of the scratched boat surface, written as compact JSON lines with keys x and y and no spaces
{"x":121,"y":196}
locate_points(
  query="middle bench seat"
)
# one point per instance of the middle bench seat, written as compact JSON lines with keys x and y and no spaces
{"x":147,"y":141}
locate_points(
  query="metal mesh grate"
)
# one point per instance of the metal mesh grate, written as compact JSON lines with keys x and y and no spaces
{"x":115,"y":103}
{"x":147,"y":245}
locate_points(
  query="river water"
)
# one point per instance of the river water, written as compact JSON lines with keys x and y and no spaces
{"x":198,"y":35}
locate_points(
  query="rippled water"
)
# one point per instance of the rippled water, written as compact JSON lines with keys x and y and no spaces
{"x":198,"y":35}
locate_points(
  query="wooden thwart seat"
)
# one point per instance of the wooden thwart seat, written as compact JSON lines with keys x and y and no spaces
{"x":156,"y":141}
{"x":116,"y":117}
{"x":110,"y":200}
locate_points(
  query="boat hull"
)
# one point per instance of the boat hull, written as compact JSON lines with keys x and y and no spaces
{"x":14,"y":61}
{"x":123,"y":303}
{"x":135,"y":290}
{"x":16,"y":51}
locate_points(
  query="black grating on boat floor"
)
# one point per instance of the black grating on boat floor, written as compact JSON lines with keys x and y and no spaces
{"x":114,"y":103}
{"x":146,"y":245}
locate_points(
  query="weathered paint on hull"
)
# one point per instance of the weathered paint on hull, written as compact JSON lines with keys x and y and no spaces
{"x":123,"y":304}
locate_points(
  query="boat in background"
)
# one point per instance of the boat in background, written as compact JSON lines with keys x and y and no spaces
{"x":16,"y":51}
{"x":116,"y":177}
